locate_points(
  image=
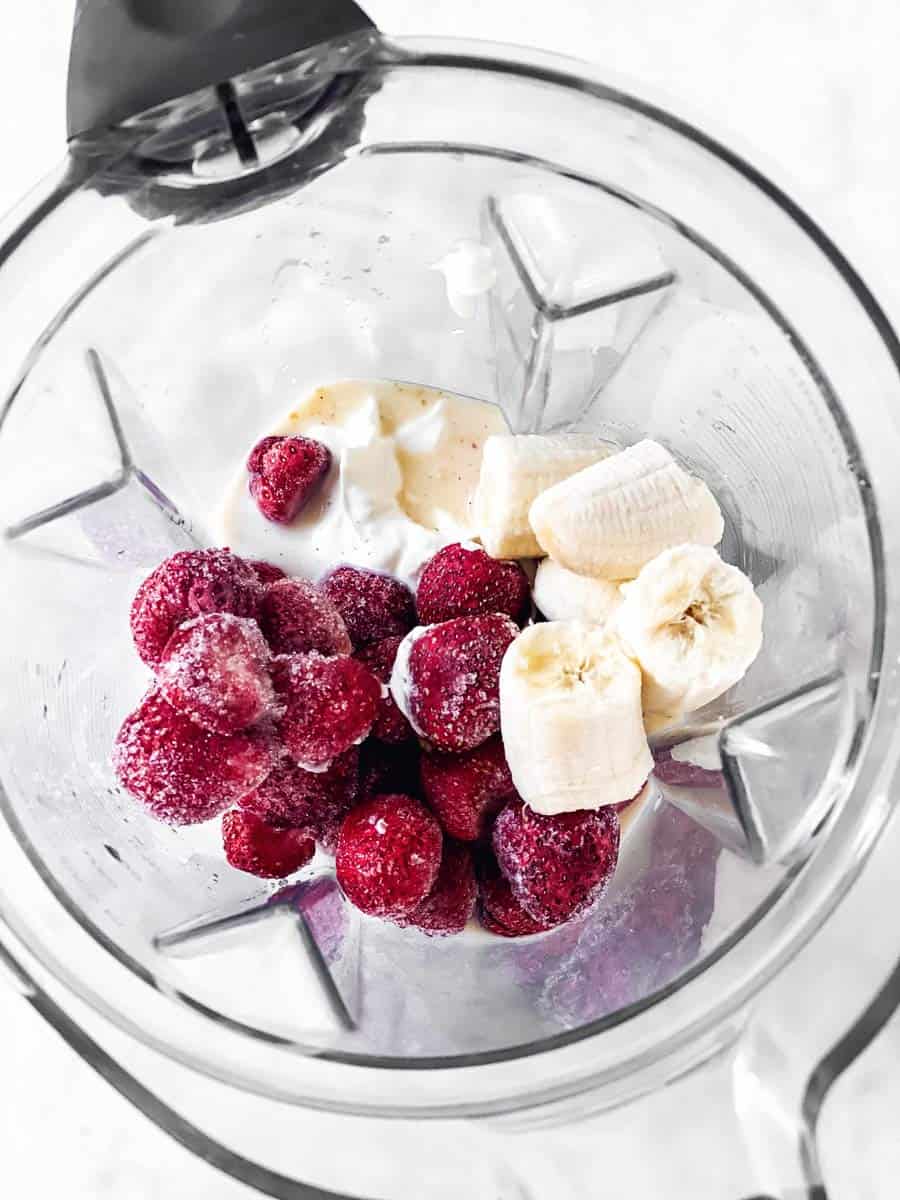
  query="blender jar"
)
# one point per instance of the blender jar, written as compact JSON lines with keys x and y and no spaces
{"x":197,"y":267}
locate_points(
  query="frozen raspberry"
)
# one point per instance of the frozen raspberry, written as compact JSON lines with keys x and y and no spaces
{"x":500,"y":911}
{"x":447,"y":907}
{"x":330,"y":705}
{"x":215,"y":670}
{"x":284,"y":474}
{"x":556,"y":866}
{"x":296,"y":617}
{"x":373,"y":606}
{"x":313,"y":800}
{"x":465,"y":791}
{"x":388,"y":855}
{"x":190,"y":584}
{"x":453,"y":680}
{"x":270,"y":851}
{"x":266,"y":573}
{"x":389,"y":769}
{"x":390,"y":724}
{"x":464,"y":581}
{"x":182,"y":773}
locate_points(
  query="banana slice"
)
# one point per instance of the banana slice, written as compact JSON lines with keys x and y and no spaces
{"x":694,"y":624}
{"x":515,"y":469}
{"x":561,"y":595}
{"x":612,"y":518}
{"x":570,"y":713}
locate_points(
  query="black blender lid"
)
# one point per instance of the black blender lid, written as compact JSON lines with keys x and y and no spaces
{"x":129,"y":56}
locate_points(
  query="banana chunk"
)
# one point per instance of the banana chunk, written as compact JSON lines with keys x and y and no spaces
{"x":570,"y":713}
{"x":562,"y":595}
{"x":514,"y":470}
{"x":612,"y":518}
{"x":694,"y":624}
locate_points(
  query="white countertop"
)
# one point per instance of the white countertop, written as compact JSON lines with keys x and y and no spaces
{"x":810,"y":83}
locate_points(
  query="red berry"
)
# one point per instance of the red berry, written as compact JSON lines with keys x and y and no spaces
{"x":465,"y":791}
{"x":284,"y":474}
{"x":266,"y":572}
{"x":190,"y":584}
{"x":254,"y":845}
{"x":447,"y":907}
{"x":330,"y":705}
{"x":313,"y":800}
{"x":373,"y":606}
{"x":390,"y":724}
{"x":182,"y":773}
{"x":296,"y":618}
{"x":556,"y":866}
{"x":215,"y":670}
{"x":257,"y":458}
{"x":389,"y":769}
{"x":453,"y":680}
{"x":464,"y":581}
{"x":388,"y":855}
{"x":501,"y":913}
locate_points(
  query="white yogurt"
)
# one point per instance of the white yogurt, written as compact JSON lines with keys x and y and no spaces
{"x":406,"y":461}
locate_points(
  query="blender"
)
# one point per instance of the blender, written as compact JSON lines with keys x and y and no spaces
{"x":261,"y":197}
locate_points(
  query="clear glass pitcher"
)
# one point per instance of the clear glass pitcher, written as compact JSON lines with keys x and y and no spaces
{"x":196,"y":269}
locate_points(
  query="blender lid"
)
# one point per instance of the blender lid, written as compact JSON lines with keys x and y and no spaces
{"x":129,"y":56}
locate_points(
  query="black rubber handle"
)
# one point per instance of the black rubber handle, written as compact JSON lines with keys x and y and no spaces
{"x":131,"y":55}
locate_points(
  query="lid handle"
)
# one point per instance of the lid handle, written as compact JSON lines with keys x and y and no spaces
{"x":129,"y":56}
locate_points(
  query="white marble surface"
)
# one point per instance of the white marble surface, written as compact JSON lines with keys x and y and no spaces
{"x":812,"y":85}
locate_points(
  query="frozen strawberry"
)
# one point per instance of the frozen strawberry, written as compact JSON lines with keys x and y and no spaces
{"x":447,"y":907}
{"x":285,"y":472}
{"x":462,"y":580}
{"x":387,"y":769}
{"x":465,"y":791}
{"x":500,"y":911}
{"x":556,"y":866}
{"x":330,"y":705}
{"x":256,"y":460}
{"x":296,"y":617}
{"x":190,"y":584}
{"x":215,"y":670}
{"x":373,"y":606}
{"x":254,"y":845}
{"x":388,"y":855}
{"x":451,"y":679}
{"x":183,"y":774}
{"x":266,"y":572}
{"x":313,"y":800}
{"x":390,"y":725}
